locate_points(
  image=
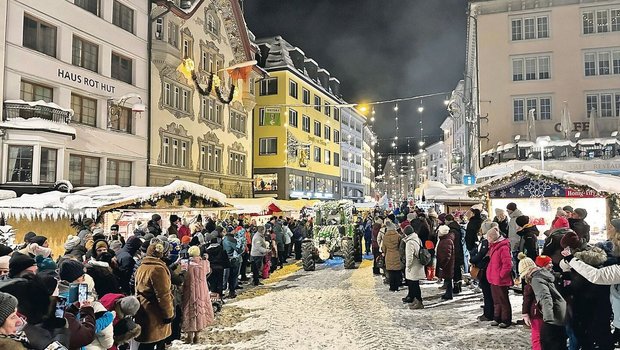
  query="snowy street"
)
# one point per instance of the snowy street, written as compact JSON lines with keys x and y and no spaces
{"x":333,"y":308}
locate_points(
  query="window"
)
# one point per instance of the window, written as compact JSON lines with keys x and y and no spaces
{"x":20,"y":164}
{"x":531,"y":104}
{"x":544,"y":68}
{"x":328,"y":132}
{"x":615,"y":20}
{"x":187,"y":48}
{"x":529,"y":28}
{"x":165,"y":159}
{"x":83,"y":170}
{"x":606,"y":104}
{"x":47,"y":172}
{"x":91,"y":6}
{"x":591,"y":104}
{"x":328,"y":157}
{"x":601,"y":21}
{"x":122,"y":16}
{"x":317,"y":103}
{"x":588,"y":22}
{"x":118,"y":173}
{"x":39,"y":36}
{"x":306,"y":96}
{"x":261,"y":117}
{"x":211,"y":24}
{"x":237,"y":122}
{"x":545,"y":108}
{"x":518,"y":110}
{"x":121,"y":68}
{"x":540,"y":105}
{"x":336,"y":114}
{"x":601,"y":62}
{"x":305,"y":123}
{"x":177,"y":97}
{"x":175,"y":152}
{"x":184,"y":154}
{"x":517,"y":69}
{"x":317,"y":154}
{"x":35,"y":92}
{"x":317,"y":128}
{"x":336,"y":136}
{"x":236,"y":164}
{"x":531,"y":68}
{"x":218,"y":113}
{"x":124,"y":120}
{"x":210,"y":157}
{"x":84,"y":110}
{"x":293,"y":118}
{"x":173,"y":34}
{"x":159,"y":29}
{"x":268,"y":146}
{"x":292,"y":88}
{"x":328,"y":109}
{"x":268,"y":87}
{"x":85,"y":54}
{"x":336,"y":159}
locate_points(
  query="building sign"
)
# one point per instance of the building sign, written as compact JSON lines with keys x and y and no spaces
{"x":539,"y":188}
{"x":272,"y":116}
{"x":80,"y":79}
{"x":469,"y":180}
{"x":577,"y":126}
{"x":265,"y":182}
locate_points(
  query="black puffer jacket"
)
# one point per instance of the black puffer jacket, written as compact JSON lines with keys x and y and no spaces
{"x":528,"y":243}
{"x":217,"y":257}
{"x":126,"y":262}
{"x":471,"y":232}
{"x":455,"y":230}
{"x":552,"y":247}
{"x":581,"y":228}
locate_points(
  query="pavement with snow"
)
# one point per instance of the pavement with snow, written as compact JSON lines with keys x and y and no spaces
{"x":333,"y":308}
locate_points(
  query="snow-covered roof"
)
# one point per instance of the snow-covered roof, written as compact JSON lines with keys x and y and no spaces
{"x":37,"y":124}
{"x":251,"y":205}
{"x":295,"y":204}
{"x":97,"y":200}
{"x":7,"y":194}
{"x":40,"y":103}
{"x":603,"y":184}
{"x":440,"y":193}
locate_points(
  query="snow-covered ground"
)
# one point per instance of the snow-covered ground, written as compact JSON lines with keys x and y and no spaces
{"x":333,"y":308}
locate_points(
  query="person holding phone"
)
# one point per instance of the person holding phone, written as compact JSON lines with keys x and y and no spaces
{"x":10,"y":322}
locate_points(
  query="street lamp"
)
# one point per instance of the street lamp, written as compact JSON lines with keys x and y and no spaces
{"x":542,"y":141}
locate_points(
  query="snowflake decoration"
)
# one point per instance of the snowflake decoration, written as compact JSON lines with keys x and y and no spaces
{"x":555,"y":192}
{"x":513,"y":190}
{"x":502,"y":194}
{"x":537,"y":188}
{"x":521,"y":192}
{"x":493,"y":194}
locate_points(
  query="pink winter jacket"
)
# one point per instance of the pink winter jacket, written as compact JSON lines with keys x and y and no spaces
{"x":499,"y":271}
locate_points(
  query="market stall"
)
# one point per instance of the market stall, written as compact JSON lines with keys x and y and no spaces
{"x":539,"y":193}
{"x":293,"y":208}
{"x":52,"y":213}
{"x":447,"y":199}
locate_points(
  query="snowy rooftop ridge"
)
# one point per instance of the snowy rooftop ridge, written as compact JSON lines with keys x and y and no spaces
{"x":606,"y":184}
{"x":94,"y":201}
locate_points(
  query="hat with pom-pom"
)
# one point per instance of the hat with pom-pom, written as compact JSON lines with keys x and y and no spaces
{"x":526,"y":265}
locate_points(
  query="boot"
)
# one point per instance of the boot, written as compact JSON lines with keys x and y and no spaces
{"x":457,"y":288}
{"x":417,"y":305}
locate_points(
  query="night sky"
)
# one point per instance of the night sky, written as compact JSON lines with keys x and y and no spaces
{"x":379,"y":50}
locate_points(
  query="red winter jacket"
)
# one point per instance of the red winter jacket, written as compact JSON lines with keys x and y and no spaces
{"x":499,"y":271}
{"x":183,"y":231}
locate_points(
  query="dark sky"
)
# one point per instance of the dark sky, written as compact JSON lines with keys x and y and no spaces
{"x":379,"y":50}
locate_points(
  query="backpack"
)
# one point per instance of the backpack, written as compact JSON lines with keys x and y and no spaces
{"x":424,"y":256}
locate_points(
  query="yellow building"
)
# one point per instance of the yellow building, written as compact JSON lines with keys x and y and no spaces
{"x":195,"y":135}
{"x":296,"y":126}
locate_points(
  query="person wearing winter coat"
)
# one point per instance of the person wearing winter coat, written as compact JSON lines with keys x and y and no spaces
{"x":544,"y":309}
{"x":299,"y":234}
{"x":459,"y":256}
{"x":153,"y":226}
{"x":104,"y":329}
{"x":103,"y":275}
{"x":10,"y":337}
{"x":375,"y":246}
{"x":197,"y":308}
{"x":260,"y":248}
{"x":502,"y":221}
{"x":368,"y":235}
{"x":445,"y":259}
{"x":389,"y":247}
{"x":579,"y":225}
{"x":414,"y":271}
{"x":233,"y":250}
{"x":86,"y":230}
{"x":481,"y":260}
{"x":552,"y":246}
{"x":513,"y":214}
{"x":153,"y":289}
{"x":288,"y":238}
{"x":219,"y":261}
{"x":472,"y":229}
{"x":528,"y":237}
{"x":499,"y":274}
{"x":126,"y":263}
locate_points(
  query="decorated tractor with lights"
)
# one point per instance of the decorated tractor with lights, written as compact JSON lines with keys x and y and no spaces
{"x":334,"y":234}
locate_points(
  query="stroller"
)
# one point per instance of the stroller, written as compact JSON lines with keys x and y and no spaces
{"x":216,"y":301}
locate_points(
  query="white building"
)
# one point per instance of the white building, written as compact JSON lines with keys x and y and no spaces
{"x":437,"y":162}
{"x":447,"y":127}
{"x":79,"y":55}
{"x":420,"y":162}
{"x":352,"y":153}
{"x":459,"y":135}
{"x":368,"y":161}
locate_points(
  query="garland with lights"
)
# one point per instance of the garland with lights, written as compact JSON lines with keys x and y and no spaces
{"x":218,"y":91}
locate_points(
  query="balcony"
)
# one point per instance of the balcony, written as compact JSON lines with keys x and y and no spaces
{"x":16,"y":109}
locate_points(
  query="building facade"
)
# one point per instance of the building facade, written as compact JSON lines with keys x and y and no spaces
{"x":420,"y":162}
{"x":352,"y":153}
{"x":447,"y":128}
{"x":437,"y":168}
{"x":296,"y":126}
{"x":399,"y":177}
{"x":540,"y":60}
{"x":368,"y":161}
{"x":195,"y":134}
{"x":74,"y":82}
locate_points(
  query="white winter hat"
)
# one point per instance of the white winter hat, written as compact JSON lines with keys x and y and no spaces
{"x":477,"y":206}
{"x":390,"y":226}
{"x":443,"y":230}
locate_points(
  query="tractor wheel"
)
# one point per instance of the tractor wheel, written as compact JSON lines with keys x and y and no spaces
{"x":307,"y":254}
{"x":348,"y":253}
{"x":357,"y":244}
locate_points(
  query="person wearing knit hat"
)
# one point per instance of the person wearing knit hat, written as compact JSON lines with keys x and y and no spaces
{"x":560,"y":222}
{"x":560,"y":212}
{"x":445,"y":259}
{"x":71,"y":271}
{"x":568,"y":210}
{"x":45,"y":264}
{"x":522,"y":220}
{"x":21,"y":264}
{"x":9,"y":321}
{"x":571,"y":240}
{"x":71,"y":243}
{"x":579,"y":225}
{"x":101,"y":246}
{"x":526,"y":265}
{"x":116,"y":246}
{"x":5,"y":250}
{"x":28,"y":237}
{"x":185,"y":240}
{"x":35,"y":249}
{"x":4,"y":265}
{"x":544,"y":262}
{"x":40,"y":240}
{"x":432,"y":213}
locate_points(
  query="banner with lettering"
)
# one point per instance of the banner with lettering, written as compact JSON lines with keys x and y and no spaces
{"x":539,"y":188}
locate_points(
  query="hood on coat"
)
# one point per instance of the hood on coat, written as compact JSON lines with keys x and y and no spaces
{"x":515,"y":214}
{"x":544,"y":274}
{"x":529,"y":228}
{"x":500,"y":241}
{"x":594,"y":256}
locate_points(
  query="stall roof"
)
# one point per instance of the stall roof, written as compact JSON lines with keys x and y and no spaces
{"x":94,"y":201}
{"x":603,"y":184}
{"x":440,"y":193}
{"x":295,"y":205}
{"x":252,"y":205}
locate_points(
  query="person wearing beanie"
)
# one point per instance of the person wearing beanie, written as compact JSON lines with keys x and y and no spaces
{"x":572,"y":241}
{"x":86,"y":230}
{"x":27,"y":239}
{"x":175,"y":222}
{"x":153,"y":226}
{"x":153,"y":289}
{"x":34,"y":250}
{"x":552,"y":246}
{"x":473,"y":227}
{"x":579,"y":225}
{"x":115,"y":246}
{"x":568,"y":210}
{"x":40,"y":240}
{"x":559,"y":223}
{"x":445,"y":259}
{"x":98,"y":234}
{"x":99,"y":247}
{"x":21,"y":264}
{"x":126,"y":262}
{"x":10,"y":337}
{"x":414,"y":270}
{"x":544,"y":261}
{"x":71,"y":242}
{"x":528,"y":237}
{"x":185,"y":240}
{"x":197,"y":315}
{"x":502,"y":221}
{"x":71,"y":271}
{"x":45,"y":264}
{"x":499,"y":274}
{"x":513,"y":214}
{"x":456,"y":233}
{"x":481,"y":261}
{"x":115,"y":235}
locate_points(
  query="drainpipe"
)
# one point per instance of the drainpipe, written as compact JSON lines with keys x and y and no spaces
{"x":149,"y":89}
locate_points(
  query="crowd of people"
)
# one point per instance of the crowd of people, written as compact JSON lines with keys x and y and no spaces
{"x":570,"y":287}
{"x":140,"y":292}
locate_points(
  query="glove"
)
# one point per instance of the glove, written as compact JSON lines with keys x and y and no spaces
{"x":167,"y":320}
{"x":526,"y":320}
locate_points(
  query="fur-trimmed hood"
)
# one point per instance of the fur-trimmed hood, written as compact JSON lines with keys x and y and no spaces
{"x":594,"y":256}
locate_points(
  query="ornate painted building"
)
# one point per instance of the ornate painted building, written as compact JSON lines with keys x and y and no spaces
{"x":200,"y":135}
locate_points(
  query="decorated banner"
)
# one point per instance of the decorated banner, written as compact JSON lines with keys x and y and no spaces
{"x":539,"y":188}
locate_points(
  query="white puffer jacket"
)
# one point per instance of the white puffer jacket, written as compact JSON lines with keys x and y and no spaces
{"x":414,"y":271}
{"x":105,"y":338}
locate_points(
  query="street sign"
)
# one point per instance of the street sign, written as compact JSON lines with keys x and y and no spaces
{"x":272,"y":116}
{"x":469,"y":180}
